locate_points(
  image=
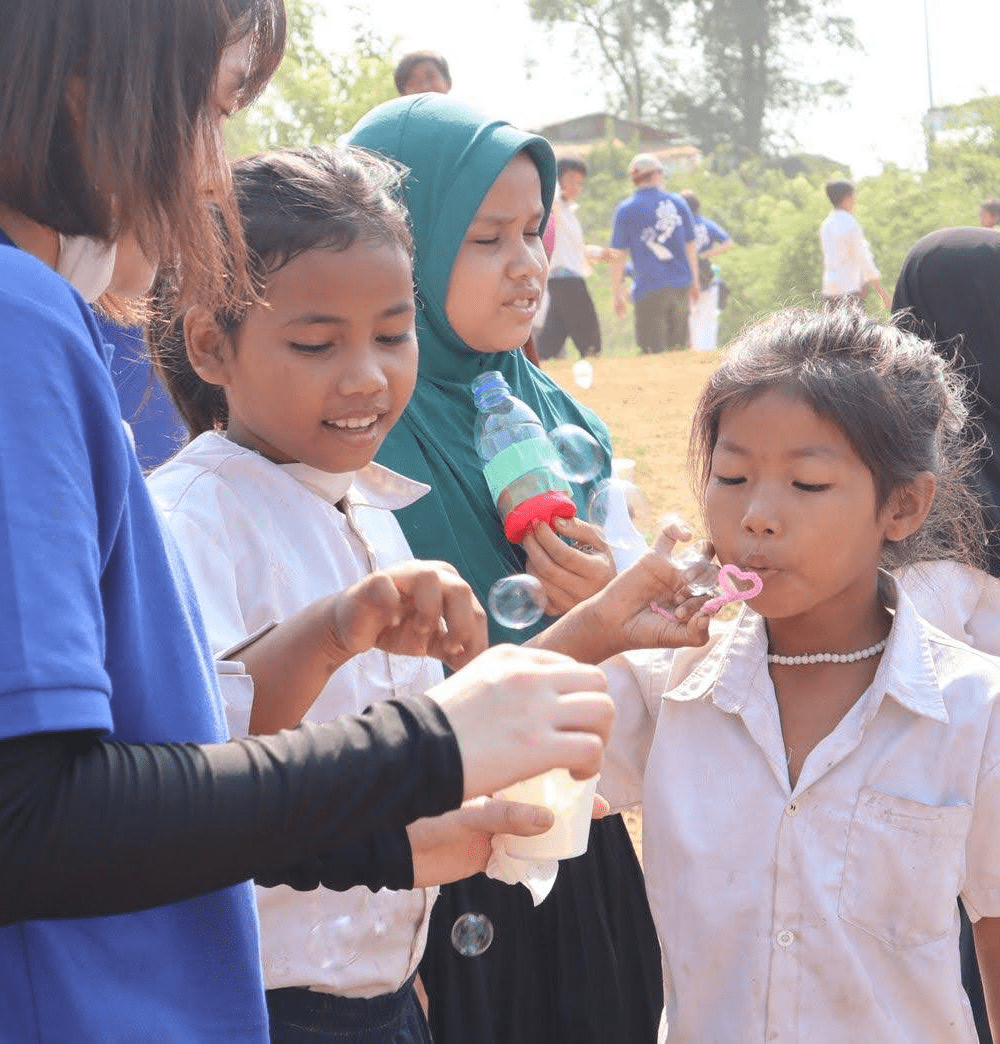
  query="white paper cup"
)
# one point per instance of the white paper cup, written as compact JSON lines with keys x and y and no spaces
{"x":571,"y":802}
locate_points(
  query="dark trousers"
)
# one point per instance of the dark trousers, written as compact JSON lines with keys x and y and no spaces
{"x":661,"y":320}
{"x":970,"y":978}
{"x":571,"y":314}
{"x":301,"y":1016}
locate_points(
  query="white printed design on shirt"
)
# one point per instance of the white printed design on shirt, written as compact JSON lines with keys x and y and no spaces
{"x":702,"y":240}
{"x":655,"y":238}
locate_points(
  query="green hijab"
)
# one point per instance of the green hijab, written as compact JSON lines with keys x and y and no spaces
{"x":454,"y":155}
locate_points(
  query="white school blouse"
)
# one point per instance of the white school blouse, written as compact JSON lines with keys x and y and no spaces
{"x":826,"y":913}
{"x":262,"y":541}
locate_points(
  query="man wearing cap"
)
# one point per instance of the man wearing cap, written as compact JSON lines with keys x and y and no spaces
{"x":657,"y":229}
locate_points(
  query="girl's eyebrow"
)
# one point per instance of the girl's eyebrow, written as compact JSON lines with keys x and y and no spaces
{"x":797,"y":452}
{"x":322,"y":319}
{"x":505,"y":219}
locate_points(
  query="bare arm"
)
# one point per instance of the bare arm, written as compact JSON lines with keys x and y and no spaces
{"x":692,"y":256}
{"x":616,"y":266}
{"x":718,"y":248}
{"x":986,"y":932}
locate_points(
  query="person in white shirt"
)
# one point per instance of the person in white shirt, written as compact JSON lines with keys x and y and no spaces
{"x":570,"y":311}
{"x":303,"y":575}
{"x":849,"y":268}
{"x":821,"y":781}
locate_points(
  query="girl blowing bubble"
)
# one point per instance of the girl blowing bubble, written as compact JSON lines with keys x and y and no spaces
{"x":822,"y":780}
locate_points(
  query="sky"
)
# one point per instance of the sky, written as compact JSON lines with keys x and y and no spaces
{"x":507,"y":65}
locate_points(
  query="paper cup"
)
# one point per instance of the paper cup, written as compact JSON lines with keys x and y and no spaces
{"x":571,"y":802}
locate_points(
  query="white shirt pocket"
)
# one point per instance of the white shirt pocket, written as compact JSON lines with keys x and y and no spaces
{"x":903,"y":868}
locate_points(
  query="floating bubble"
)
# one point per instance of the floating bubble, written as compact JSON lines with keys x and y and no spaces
{"x":471,"y":934}
{"x":581,"y":456}
{"x":517,"y":601}
{"x":701,"y":575}
{"x":620,"y":509}
{"x":583,"y":373}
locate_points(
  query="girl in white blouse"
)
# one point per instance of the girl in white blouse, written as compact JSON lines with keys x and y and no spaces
{"x":280,"y":515}
{"x":821,"y":781}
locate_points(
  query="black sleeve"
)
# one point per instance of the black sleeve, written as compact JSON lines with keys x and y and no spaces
{"x":89,"y":827}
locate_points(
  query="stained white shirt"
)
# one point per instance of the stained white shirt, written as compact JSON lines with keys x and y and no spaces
{"x":826,"y":912}
{"x":847,"y":258}
{"x":262,"y":541}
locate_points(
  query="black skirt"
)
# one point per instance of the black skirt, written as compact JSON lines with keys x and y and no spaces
{"x":581,"y":968}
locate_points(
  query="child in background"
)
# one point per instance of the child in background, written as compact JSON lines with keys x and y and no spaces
{"x":277,"y":508}
{"x":822,"y":780}
{"x":583,"y":967}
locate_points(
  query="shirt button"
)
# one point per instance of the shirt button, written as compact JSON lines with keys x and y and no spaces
{"x":785,"y":938}
{"x":792,"y":808}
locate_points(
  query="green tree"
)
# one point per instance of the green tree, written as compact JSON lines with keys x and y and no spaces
{"x":747,"y":76}
{"x":628,"y":35}
{"x":721,"y":70}
{"x":315,"y":95}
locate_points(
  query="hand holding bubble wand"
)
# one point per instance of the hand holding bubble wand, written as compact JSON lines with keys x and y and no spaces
{"x":703,"y":577}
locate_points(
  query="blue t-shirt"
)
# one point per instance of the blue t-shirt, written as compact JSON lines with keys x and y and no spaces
{"x":707,"y":232}
{"x":99,"y":629}
{"x":157,"y":427}
{"x":655,"y":227}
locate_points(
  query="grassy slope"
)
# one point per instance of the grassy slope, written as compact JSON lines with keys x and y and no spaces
{"x":647,"y":402}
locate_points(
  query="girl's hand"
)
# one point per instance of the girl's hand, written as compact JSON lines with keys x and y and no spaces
{"x":413,"y":609}
{"x":621,"y":617}
{"x":570,"y":574}
{"x":626,"y":606}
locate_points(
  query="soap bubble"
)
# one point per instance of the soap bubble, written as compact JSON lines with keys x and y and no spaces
{"x":583,"y":373}
{"x":621,"y":510}
{"x":471,"y":934}
{"x":581,"y":456}
{"x":701,"y":575}
{"x":517,"y":601}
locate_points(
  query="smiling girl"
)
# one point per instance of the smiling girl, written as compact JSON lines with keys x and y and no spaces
{"x":300,"y":568}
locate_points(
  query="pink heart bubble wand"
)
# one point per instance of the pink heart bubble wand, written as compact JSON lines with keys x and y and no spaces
{"x":730,"y":592}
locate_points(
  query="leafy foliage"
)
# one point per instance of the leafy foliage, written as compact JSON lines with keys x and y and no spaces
{"x":629,"y":36}
{"x":773,"y":210}
{"x":315,"y":96}
{"x":720,"y":70}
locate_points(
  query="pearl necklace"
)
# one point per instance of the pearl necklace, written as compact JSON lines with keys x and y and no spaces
{"x":861,"y":654}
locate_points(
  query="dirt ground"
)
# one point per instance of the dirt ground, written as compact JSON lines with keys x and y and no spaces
{"x":647,"y":403}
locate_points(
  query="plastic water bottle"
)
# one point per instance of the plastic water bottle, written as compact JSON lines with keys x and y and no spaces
{"x":520,"y":464}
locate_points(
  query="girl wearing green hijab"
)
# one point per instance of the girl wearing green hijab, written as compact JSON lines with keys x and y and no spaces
{"x":584,"y":966}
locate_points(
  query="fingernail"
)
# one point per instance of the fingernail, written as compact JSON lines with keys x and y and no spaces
{"x":543,"y":817}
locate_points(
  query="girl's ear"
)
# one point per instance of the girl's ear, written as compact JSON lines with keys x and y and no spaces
{"x":909,"y":506}
{"x":208,"y":348}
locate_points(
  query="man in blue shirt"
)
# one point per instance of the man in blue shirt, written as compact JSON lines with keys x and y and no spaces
{"x":656,"y":228}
